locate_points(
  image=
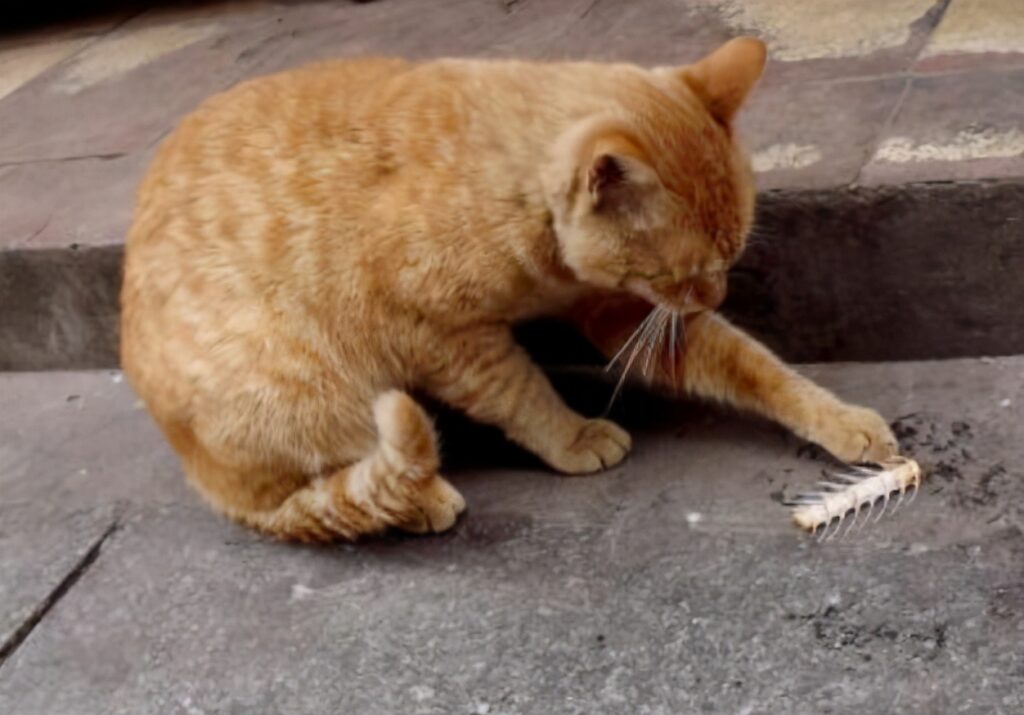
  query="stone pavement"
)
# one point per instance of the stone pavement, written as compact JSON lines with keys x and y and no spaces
{"x":888,"y":137}
{"x":671,"y":584}
{"x":891,"y":110}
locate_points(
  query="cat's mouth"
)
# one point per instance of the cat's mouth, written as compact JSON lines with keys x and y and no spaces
{"x":687,"y":298}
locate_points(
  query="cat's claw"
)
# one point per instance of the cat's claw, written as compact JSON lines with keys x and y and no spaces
{"x":855,"y":434}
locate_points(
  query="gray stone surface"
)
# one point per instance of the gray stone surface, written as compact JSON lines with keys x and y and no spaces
{"x":672,"y":584}
{"x":891,"y":272}
{"x":816,"y":135}
{"x":60,"y":307}
{"x":77,"y":441}
{"x":73,"y":448}
{"x":122,"y":93}
{"x":979,"y":34}
{"x":27,"y":53}
{"x":954,"y":127}
{"x":57,"y":204}
{"x":37,"y":554}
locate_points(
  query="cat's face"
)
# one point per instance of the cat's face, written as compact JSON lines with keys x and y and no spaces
{"x":660,"y":204}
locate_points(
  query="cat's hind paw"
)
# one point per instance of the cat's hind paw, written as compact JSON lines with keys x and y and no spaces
{"x":399,"y":485}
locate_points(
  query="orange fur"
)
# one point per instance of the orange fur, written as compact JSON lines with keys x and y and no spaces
{"x":310,"y":245}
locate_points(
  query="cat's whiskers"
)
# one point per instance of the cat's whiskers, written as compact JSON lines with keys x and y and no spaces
{"x":633,"y":345}
{"x":629,"y":342}
{"x":656,"y":343}
{"x":648,"y":339}
{"x":644,"y":344}
{"x":677,"y":331}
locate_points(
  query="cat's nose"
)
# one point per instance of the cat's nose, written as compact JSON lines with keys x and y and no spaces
{"x":707,"y":290}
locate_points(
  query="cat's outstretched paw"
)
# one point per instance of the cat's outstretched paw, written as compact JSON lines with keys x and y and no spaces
{"x":854,"y":434}
{"x":599,"y":444}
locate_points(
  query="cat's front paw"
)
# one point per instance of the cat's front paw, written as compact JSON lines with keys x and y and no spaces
{"x":854,"y":434}
{"x":598,"y":444}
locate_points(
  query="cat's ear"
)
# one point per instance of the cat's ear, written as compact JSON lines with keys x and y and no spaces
{"x":724,"y":78}
{"x":618,"y":181}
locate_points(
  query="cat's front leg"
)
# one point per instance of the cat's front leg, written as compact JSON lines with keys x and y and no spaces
{"x":720,"y":362}
{"x":485,"y":373}
{"x":724,"y":363}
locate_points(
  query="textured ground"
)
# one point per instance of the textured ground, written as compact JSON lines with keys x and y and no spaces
{"x":671,"y":584}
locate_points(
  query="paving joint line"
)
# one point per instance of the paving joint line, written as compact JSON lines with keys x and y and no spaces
{"x":907,"y":83}
{"x":11,"y":645}
{"x":941,"y":15}
{"x":872,"y":150}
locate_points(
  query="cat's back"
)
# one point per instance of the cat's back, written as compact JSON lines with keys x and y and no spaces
{"x":236,"y":190}
{"x":228,"y":217}
{"x":341,"y":130}
{"x":256,"y":126}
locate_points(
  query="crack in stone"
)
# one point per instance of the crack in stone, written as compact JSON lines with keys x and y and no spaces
{"x":9,"y":646}
{"x":52,"y":160}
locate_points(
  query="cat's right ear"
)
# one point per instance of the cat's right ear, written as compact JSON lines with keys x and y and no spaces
{"x":725,"y":78}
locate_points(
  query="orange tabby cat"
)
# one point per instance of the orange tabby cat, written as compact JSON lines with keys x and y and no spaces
{"x":311,"y":245}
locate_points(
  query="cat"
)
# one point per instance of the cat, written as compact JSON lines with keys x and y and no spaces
{"x":310,"y":247}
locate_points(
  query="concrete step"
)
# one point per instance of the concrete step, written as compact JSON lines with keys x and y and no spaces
{"x":890,"y":150}
{"x":672,"y":583}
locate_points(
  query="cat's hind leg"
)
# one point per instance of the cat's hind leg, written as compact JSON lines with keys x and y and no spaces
{"x":397,"y":485}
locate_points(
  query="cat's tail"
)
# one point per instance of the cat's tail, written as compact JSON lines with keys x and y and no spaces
{"x":397,"y":485}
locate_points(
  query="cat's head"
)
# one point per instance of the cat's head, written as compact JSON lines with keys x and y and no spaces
{"x":658,"y":200}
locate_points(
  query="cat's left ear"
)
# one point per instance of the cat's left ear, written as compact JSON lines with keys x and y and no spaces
{"x":724,"y":78}
{"x":618,"y":177}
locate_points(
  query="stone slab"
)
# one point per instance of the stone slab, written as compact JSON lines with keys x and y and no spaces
{"x":123,"y":92}
{"x":884,"y":40}
{"x":60,"y":307}
{"x":37,"y":555}
{"x":73,"y":450}
{"x":976,"y":34}
{"x":897,"y":272}
{"x":18,"y":65}
{"x":107,"y":105}
{"x":816,"y":135}
{"x":64,"y":203}
{"x":954,"y":127}
{"x":75,"y":441}
{"x":26,"y":54}
{"x":833,"y":39}
{"x":670,"y":584}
